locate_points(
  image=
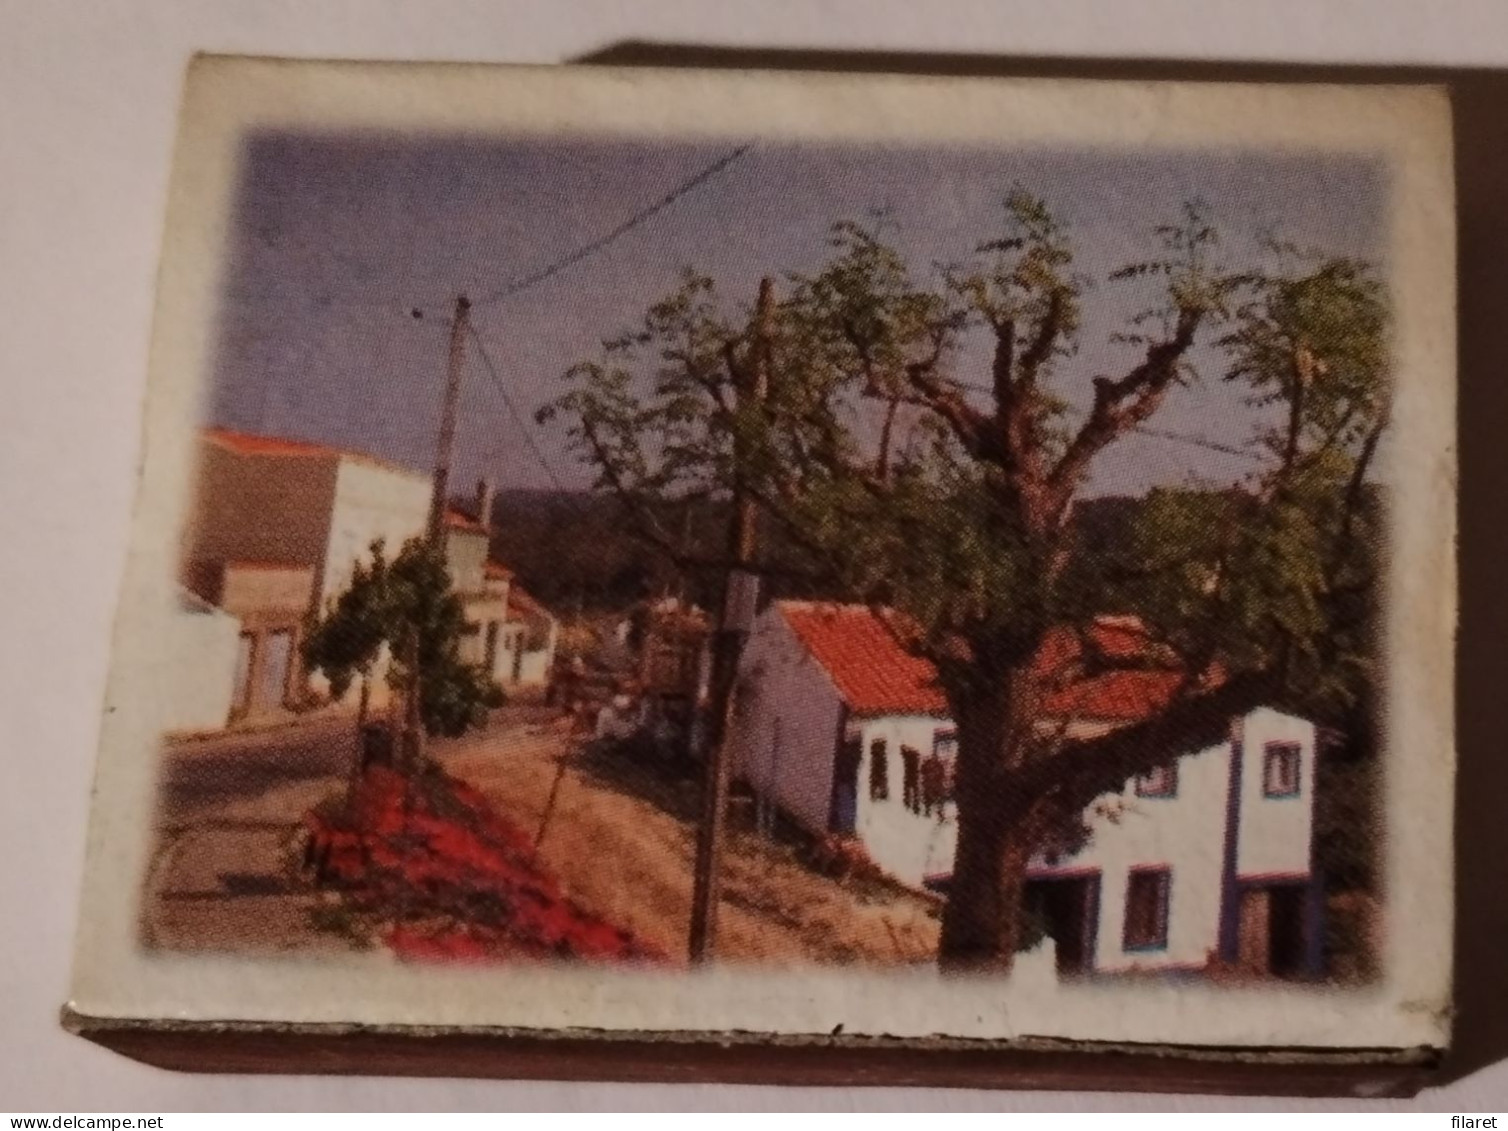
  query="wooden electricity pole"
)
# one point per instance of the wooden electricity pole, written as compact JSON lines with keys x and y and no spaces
{"x":413,"y":719}
{"x":739,"y":604}
{"x":439,"y":498}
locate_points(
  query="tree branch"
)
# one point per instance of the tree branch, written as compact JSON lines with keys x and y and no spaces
{"x":1044,"y":340}
{"x":1191,"y":723}
{"x":1120,"y":405}
{"x":969,"y":426}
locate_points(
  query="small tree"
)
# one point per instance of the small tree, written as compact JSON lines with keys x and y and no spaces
{"x":346,"y":642}
{"x":454,"y":696}
{"x":384,"y":603}
{"x":902,"y":483}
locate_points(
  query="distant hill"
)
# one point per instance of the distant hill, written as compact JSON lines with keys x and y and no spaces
{"x":579,"y":550}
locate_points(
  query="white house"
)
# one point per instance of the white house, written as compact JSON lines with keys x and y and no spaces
{"x":276,"y":531}
{"x":1209,"y":860}
{"x":195,"y":666}
{"x":277,"y":527}
{"x":532,"y":633}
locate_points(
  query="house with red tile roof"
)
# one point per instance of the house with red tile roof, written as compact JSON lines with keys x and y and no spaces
{"x":842,"y":727}
{"x":276,"y":529}
{"x":533,"y":634}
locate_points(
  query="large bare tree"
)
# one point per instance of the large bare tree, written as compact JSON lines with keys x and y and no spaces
{"x":922,"y":447}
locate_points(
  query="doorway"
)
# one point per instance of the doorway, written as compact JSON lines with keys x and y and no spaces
{"x":1273,"y":930}
{"x":246,"y":650}
{"x":1286,"y":933}
{"x":272,"y":680}
{"x":843,"y":806}
{"x":1068,"y":909}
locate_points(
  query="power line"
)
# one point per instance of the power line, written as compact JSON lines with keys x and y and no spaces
{"x":574,"y":498}
{"x":622,"y":229}
{"x":1198,"y":441}
{"x":1156,"y":433}
{"x":513,"y":409}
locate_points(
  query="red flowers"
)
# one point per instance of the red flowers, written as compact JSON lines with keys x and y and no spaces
{"x":445,"y":878}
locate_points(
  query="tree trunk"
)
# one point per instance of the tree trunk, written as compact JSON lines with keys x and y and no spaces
{"x":359,"y":764}
{"x":981,"y":923}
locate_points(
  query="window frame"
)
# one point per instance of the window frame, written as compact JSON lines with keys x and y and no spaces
{"x":1165,"y":793}
{"x":945,"y":738}
{"x":1163,"y":875}
{"x":879,"y":769}
{"x":1272,"y":753}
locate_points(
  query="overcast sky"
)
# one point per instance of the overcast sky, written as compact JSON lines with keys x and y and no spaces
{"x":336,"y":240}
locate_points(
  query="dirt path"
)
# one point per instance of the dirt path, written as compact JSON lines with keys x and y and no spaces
{"x":622,"y":842}
{"x":620,"y":839}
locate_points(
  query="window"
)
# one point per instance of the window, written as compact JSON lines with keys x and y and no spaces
{"x":246,"y":649}
{"x":1147,"y":909}
{"x":879,"y":771}
{"x":490,"y":650}
{"x":937,"y":773}
{"x":1281,"y":765}
{"x":1161,"y":782}
{"x":911,"y":778}
{"x":945,"y":744}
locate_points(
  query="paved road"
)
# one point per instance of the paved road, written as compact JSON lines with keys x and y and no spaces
{"x":207,"y":774}
{"x":224,"y":875}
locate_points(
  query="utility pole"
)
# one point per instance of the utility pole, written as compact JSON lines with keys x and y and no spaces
{"x":740,"y":602}
{"x":439,"y":498}
{"x":413,"y":720}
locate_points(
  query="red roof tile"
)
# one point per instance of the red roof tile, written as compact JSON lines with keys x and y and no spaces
{"x":1113,"y":638}
{"x":520,"y":603}
{"x":456,"y":520}
{"x":876,"y":675}
{"x":871,"y":669}
{"x":1114,"y":696}
{"x":252,"y":444}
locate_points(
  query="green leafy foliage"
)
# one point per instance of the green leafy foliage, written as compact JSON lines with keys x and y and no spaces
{"x":385,"y":603}
{"x":347,"y":640}
{"x":887,"y":476}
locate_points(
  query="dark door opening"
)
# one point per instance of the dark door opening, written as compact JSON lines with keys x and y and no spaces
{"x":843,"y":807}
{"x":1285,"y":930}
{"x":1067,"y":909}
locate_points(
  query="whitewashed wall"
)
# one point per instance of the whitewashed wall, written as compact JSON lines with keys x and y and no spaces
{"x":1184,"y":833}
{"x":370,"y":502}
{"x":785,"y":723}
{"x":534,"y":668}
{"x":1274,"y":834}
{"x":196,"y":671}
{"x":465,"y":557}
{"x":910,"y":846}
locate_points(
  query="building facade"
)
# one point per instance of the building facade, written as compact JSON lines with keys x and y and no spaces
{"x":527,"y":658}
{"x":1207,"y":862}
{"x":277,"y":529}
{"x":196,"y":666}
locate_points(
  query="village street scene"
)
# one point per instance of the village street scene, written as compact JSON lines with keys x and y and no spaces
{"x":688,"y":553}
{"x":262,"y":749}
